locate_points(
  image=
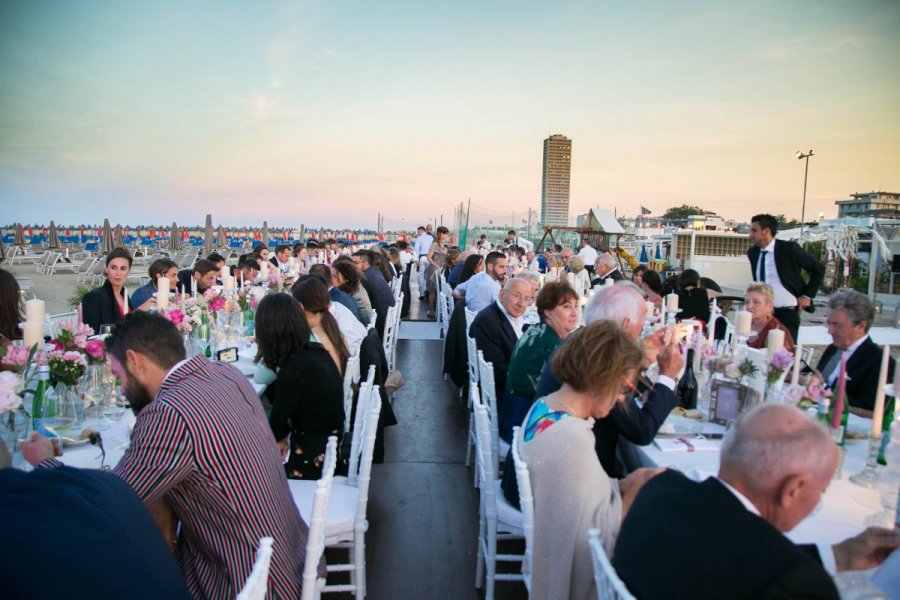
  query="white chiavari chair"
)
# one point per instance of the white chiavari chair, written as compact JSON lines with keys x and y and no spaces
{"x":609,"y":586}
{"x":257,"y":583}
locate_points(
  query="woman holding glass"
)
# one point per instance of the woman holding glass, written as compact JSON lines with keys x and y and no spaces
{"x":596,"y":365}
{"x":436,"y":256}
{"x":760,"y":303}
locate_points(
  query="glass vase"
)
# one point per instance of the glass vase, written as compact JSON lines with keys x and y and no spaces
{"x":774,"y":392}
{"x":70,"y":417}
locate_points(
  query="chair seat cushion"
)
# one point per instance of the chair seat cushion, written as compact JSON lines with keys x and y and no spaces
{"x":506,"y":512}
{"x":341,"y":505}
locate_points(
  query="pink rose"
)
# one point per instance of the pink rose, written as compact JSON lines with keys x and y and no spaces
{"x":95,"y":349}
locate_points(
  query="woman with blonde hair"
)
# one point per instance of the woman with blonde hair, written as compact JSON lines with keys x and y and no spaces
{"x":760,"y":302}
{"x":576,"y":267}
{"x":437,"y":255}
{"x":597,"y":366}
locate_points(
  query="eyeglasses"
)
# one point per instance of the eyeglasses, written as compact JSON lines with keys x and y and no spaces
{"x":518,"y":296}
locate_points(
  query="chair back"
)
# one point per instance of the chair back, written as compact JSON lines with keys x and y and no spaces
{"x":315,"y":543}
{"x":257,"y":583}
{"x":470,"y":316}
{"x":367,"y":391}
{"x":372,"y":321}
{"x":609,"y":586}
{"x":472,"y":359}
{"x":351,"y":374}
{"x":53,"y":323}
{"x":489,"y":398}
{"x":484,"y":460}
{"x":526,"y":504}
{"x":370,"y":428}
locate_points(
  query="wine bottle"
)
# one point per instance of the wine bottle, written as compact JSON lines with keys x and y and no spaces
{"x":687,"y":386}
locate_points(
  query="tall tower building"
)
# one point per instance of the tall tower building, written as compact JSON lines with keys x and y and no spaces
{"x":555,"y":180}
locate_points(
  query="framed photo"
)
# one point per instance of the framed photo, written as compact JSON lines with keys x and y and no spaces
{"x":726,"y":401}
{"x":228,"y":355}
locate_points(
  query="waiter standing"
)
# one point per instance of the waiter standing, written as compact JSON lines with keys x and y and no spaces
{"x":781,"y":264}
{"x":422,"y":244}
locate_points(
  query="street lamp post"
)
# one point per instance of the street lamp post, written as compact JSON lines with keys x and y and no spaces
{"x":801,"y":156}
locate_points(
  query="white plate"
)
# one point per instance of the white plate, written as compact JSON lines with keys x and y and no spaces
{"x":676,"y":426}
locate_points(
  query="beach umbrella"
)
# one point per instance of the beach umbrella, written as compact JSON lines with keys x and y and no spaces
{"x":222,"y":241}
{"x":174,"y":238}
{"x":2,"y":250}
{"x":658,"y":253}
{"x":53,"y":235}
{"x":208,"y":236}
{"x":20,"y":235}
{"x":118,"y":237}
{"x":108,"y":243}
{"x":265,"y":234}
{"x":643,"y":257}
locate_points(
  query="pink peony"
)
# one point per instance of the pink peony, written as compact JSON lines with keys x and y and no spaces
{"x":73,"y":357}
{"x":216,"y":304}
{"x":16,"y":356}
{"x":176,"y":316}
{"x":95,"y":349}
{"x":782,"y":360}
{"x":9,"y":401}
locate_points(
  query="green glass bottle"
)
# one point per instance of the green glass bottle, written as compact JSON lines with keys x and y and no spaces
{"x":889,"y":406}
{"x":42,"y":408}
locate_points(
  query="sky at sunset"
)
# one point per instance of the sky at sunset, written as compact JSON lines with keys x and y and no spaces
{"x":327,"y":113}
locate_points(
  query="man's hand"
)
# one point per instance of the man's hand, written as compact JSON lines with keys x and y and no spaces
{"x":631,"y":485}
{"x":283,"y":447}
{"x":38,"y":449}
{"x":670,"y":360}
{"x":867,"y":550}
{"x":803,"y":302}
{"x":650,"y":347}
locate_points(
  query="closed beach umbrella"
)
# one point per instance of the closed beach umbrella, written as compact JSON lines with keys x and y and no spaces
{"x":221,"y":240}
{"x":2,"y":250}
{"x":119,"y":237}
{"x":265,"y":234}
{"x":658,"y":253}
{"x":53,"y":235}
{"x":643,"y":257}
{"x":208,"y":236}
{"x":108,"y":242}
{"x":20,"y":235}
{"x":174,"y":238}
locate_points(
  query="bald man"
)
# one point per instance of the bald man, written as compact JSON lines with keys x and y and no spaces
{"x":498,"y":327}
{"x":724,"y":537}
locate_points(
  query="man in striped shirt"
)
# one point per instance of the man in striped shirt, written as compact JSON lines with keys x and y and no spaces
{"x":202,"y":450}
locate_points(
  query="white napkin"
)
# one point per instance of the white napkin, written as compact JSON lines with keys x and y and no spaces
{"x":686,"y":444}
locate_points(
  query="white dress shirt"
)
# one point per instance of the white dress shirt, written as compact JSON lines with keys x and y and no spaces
{"x":831,"y":377}
{"x":783,"y":298}
{"x":588,"y":255}
{"x":423,"y":243}
{"x":352,"y":330}
{"x":481,"y":290}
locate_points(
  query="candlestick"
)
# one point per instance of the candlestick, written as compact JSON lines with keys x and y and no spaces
{"x":162,"y":293}
{"x":878,"y":414}
{"x":35,"y":310}
{"x":32,"y":333}
{"x":868,"y":477}
{"x":842,"y":390}
{"x":672,"y":303}
{"x":774,"y":341}
{"x":742,"y":322}
{"x":798,"y":356}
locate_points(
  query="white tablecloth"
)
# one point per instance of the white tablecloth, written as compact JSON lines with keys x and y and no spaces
{"x":845,"y":505}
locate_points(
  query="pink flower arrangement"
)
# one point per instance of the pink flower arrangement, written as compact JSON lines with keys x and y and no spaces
{"x":96,"y":351}
{"x":9,"y":400}
{"x":72,"y":336}
{"x":15,"y":356}
{"x":66,"y":367}
{"x":805,"y":396}
{"x":781,"y":362}
{"x":216,"y":304}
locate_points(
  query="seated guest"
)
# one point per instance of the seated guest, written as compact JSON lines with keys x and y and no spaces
{"x":245,"y":272}
{"x":606,"y":268}
{"x":161,"y":267}
{"x":452,"y":259}
{"x":225,"y":495}
{"x":471,"y":266}
{"x":381,"y":261}
{"x":456,"y":269}
{"x":637,"y":275}
{"x":337,"y":295}
{"x":693,"y":300}
{"x":622,"y":304}
{"x":532,"y":263}
{"x":201,"y":277}
{"x":775,"y":465}
{"x":557,"y":306}
{"x":380,"y":294}
{"x":217,"y":259}
{"x":281,"y":256}
{"x":576,"y":267}
{"x":109,"y":303}
{"x":497,"y":328}
{"x":652,"y":286}
{"x":346,"y":278}
{"x":760,"y":302}
{"x":11,"y":309}
{"x":311,"y":294}
{"x":596,"y":366}
{"x":850,"y":314}
{"x":106,"y":518}
{"x":261,"y":250}
{"x":482,"y":289}
{"x":308,"y":404}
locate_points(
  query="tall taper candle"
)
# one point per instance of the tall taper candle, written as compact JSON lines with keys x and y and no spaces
{"x":798,"y":356}
{"x":878,"y":413}
{"x":842,"y":391}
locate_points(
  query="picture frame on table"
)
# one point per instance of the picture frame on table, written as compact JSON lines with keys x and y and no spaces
{"x":727,"y":400}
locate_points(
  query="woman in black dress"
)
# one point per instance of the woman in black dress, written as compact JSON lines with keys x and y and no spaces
{"x":308,"y":403}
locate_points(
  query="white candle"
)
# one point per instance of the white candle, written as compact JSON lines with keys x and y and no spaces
{"x":611,"y":281}
{"x":224,"y":273}
{"x":672,"y":303}
{"x":798,"y":356}
{"x":878,"y":413}
{"x":775,"y":341}
{"x":651,"y":309}
{"x":698,"y":345}
{"x":162,"y":293}
{"x":229,"y":283}
{"x":542,"y":279}
{"x":742,"y":322}
{"x":193,"y":286}
{"x":35,"y":310}
{"x":264,"y":269}
{"x":242,"y":279}
{"x":711,"y":328}
{"x":33,"y":333}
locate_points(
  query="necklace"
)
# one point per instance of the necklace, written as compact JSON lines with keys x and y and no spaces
{"x":557,"y":400}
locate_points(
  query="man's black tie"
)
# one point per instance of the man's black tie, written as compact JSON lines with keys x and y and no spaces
{"x":762,"y":265}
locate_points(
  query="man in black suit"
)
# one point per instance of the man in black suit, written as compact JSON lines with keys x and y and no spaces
{"x":282,"y":256}
{"x":606,"y":268}
{"x":498,"y":327}
{"x":724,"y":537}
{"x":850,"y":315}
{"x":94,"y":531}
{"x":781,"y":264}
{"x":376,"y":286}
{"x":202,"y":276}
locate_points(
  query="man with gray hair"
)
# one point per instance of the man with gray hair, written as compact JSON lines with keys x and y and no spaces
{"x":850,"y":314}
{"x":606,"y":268}
{"x":775,"y":465}
{"x":624,"y":305}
